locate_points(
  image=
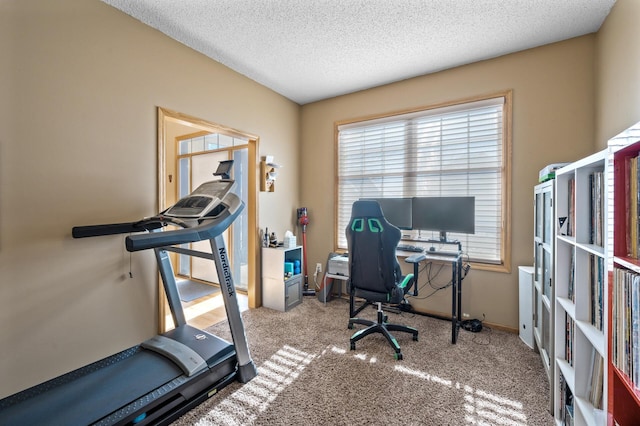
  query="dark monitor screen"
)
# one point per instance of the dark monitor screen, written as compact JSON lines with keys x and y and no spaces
{"x":444,"y":214}
{"x":397,"y":211}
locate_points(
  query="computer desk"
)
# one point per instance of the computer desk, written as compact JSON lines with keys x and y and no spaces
{"x":456,"y":279}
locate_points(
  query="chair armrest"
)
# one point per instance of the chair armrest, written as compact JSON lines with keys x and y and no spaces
{"x":415,"y":258}
{"x":406,"y":281}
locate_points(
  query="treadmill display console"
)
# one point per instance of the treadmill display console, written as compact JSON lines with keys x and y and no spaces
{"x":201,"y":201}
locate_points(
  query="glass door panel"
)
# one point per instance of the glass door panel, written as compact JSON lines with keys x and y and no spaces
{"x":546,"y":337}
{"x":202,"y":168}
{"x":538,"y":214}
{"x":195,"y":170}
{"x":537,"y":237}
{"x":240,"y":232}
{"x":537,"y":309}
{"x":546,"y":274}
{"x":547,"y":218}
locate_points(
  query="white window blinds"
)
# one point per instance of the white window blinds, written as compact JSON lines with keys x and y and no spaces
{"x":451,"y":151}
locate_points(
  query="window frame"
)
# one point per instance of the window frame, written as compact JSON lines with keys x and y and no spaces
{"x":504,"y":264}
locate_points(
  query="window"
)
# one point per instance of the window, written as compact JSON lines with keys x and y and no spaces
{"x":456,"y":150}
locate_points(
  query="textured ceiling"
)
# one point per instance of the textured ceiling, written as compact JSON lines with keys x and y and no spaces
{"x":313,"y":50}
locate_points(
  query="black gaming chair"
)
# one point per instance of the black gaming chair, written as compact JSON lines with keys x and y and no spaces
{"x":374,"y":271}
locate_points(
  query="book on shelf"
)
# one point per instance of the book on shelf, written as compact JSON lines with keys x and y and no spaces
{"x":568,"y":350}
{"x":596,"y":291}
{"x":571,"y":217}
{"x":631,"y":205}
{"x":596,"y":207}
{"x":566,"y":402}
{"x":634,"y":347}
{"x":625,"y":352}
{"x":569,"y":416}
{"x":571,"y":293}
{"x":596,"y":379}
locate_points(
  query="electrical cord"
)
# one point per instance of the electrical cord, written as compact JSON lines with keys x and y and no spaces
{"x":315,"y":280}
{"x":432,"y":293}
{"x":431,"y":276}
{"x":472,"y":327}
{"x":466,"y":266}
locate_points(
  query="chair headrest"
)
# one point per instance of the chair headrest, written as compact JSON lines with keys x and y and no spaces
{"x":366,"y":208}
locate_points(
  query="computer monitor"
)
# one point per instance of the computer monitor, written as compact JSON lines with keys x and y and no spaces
{"x":444,"y":214}
{"x":397,"y":211}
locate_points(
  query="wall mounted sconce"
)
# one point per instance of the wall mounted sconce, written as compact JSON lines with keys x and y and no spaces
{"x":269,"y":173}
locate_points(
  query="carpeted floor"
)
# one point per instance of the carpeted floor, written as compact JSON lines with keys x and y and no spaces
{"x":308,"y":376}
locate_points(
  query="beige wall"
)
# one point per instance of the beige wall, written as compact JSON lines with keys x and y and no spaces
{"x":553,"y":107}
{"x":569,"y":99}
{"x":79,"y":86}
{"x":618,"y":71}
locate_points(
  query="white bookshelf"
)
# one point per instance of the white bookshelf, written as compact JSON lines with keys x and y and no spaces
{"x":580,"y":256}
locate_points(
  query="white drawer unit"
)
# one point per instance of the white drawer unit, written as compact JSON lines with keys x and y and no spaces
{"x":282,"y":277}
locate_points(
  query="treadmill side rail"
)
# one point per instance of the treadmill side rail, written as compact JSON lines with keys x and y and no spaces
{"x":186,"y":358}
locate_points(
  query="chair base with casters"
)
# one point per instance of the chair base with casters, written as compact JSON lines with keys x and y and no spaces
{"x":374,"y":272}
{"x":383,"y":327}
{"x":380,"y":326}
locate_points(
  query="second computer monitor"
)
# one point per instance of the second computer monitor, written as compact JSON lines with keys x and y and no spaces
{"x":444,"y":214}
{"x":397,"y":211}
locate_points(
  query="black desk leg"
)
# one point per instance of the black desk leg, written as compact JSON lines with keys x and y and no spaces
{"x":456,"y":300}
{"x":459,"y":281}
{"x":415,"y":278}
{"x":454,"y":310}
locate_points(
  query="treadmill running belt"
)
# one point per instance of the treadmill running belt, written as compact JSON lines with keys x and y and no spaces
{"x":93,"y":393}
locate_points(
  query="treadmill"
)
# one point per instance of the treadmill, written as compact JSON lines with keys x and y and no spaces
{"x":162,"y":378}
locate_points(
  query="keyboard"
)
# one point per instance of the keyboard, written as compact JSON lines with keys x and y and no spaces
{"x":413,"y":249}
{"x":440,"y":252}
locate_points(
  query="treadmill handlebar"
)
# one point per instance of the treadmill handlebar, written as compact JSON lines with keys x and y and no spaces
{"x":210,"y":227}
{"x":114,"y":228}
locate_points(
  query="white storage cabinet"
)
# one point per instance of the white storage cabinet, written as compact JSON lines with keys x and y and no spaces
{"x":279,"y":291}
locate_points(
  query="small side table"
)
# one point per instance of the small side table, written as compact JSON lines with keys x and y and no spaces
{"x":327,"y":289}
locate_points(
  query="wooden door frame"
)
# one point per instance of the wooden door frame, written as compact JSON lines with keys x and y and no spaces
{"x":164,"y":115}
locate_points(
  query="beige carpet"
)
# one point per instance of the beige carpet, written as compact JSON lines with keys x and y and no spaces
{"x":308,"y":376}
